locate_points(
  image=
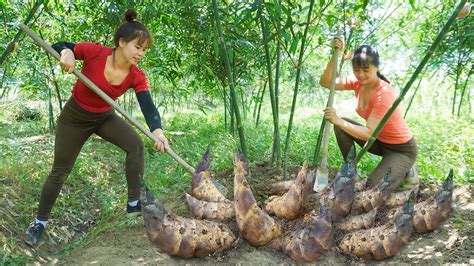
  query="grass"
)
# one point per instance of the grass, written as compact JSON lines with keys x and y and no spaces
{"x":93,"y":198}
{"x":444,"y":143}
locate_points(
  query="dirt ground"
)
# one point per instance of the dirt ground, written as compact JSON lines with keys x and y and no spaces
{"x":452,"y":242}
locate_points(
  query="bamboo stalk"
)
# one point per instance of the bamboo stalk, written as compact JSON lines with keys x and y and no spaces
{"x":347,"y":48}
{"x":4,"y":76}
{"x":456,"y":83}
{"x":295,"y":92}
{"x":415,"y":92}
{"x":232,"y":116}
{"x":420,"y":67}
{"x":11,"y":45}
{"x":277,"y":145}
{"x":2,"y":81}
{"x":276,"y":132}
{"x":256,"y":101}
{"x":464,"y":90}
{"x":260,"y":104}
{"x":105,"y":97}
{"x":381,"y":21}
{"x":412,"y":98}
{"x":55,"y":82}
{"x":224,"y":97}
{"x":230,"y":79}
{"x":50,"y":111}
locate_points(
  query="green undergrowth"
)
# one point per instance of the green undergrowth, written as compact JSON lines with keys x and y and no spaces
{"x":94,"y":196}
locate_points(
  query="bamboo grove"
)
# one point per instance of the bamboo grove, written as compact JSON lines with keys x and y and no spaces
{"x":264,"y":56}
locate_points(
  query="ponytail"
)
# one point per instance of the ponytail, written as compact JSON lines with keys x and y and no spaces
{"x":382,"y":77}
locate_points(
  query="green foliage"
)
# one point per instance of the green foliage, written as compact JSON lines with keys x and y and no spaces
{"x":15,"y":259}
{"x":184,"y":65}
{"x":26,"y":113}
{"x":444,"y":143}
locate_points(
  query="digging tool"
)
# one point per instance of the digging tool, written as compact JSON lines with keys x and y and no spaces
{"x":109,"y":100}
{"x":322,"y":172}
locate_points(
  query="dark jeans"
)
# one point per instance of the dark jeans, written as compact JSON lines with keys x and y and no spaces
{"x":75,"y":126}
{"x":398,"y":157}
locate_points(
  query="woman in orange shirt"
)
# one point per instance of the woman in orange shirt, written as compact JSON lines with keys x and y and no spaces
{"x":375,"y":96}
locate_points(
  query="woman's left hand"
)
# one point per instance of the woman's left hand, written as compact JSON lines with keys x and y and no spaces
{"x":162,"y":143}
{"x":331,"y":115}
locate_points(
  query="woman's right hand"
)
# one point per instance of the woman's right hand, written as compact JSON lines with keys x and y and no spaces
{"x":161,"y":143}
{"x":67,"y":60}
{"x":338,"y":43}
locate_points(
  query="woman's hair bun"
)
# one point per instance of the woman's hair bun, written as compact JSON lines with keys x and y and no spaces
{"x":130,"y":15}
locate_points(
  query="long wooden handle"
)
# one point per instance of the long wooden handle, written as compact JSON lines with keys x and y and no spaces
{"x":105,"y":97}
{"x":332,"y":88}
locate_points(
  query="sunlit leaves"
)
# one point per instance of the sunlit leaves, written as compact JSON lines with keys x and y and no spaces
{"x":365,"y":3}
{"x":185,"y":60}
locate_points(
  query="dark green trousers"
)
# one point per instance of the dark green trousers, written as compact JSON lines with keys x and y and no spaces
{"x":75,"y":126}
{"x":397,"y":157}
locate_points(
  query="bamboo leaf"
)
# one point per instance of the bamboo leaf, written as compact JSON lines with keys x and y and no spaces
{"x":270,"y":7}
{"x":288,"y":23}
{"x":286,"y":11}
{"x":404,"y":42}
{"x":365,"y":3}
{"x":286,"y":36}
{"x":358,"y":6}
{"x":277,"y":7}
{"x":412,"y":3}
{"x":294,"y":45}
